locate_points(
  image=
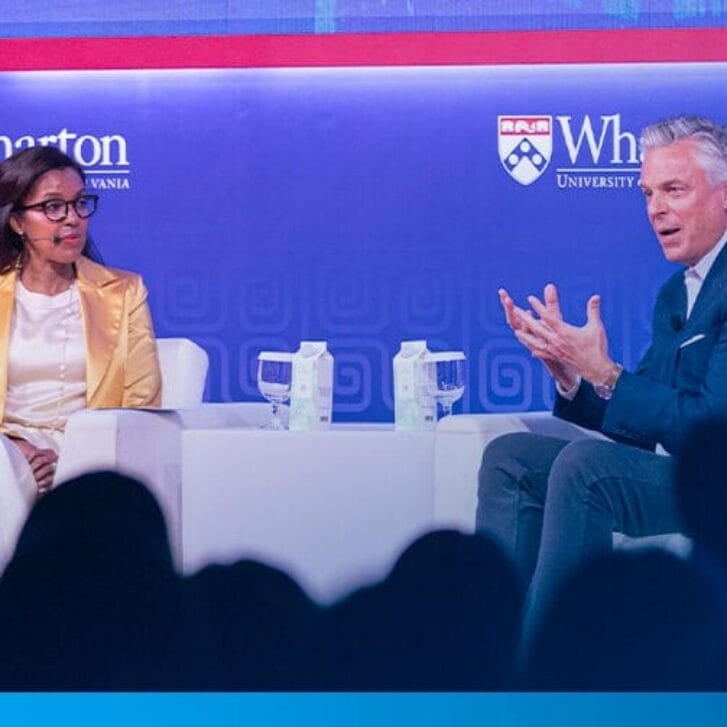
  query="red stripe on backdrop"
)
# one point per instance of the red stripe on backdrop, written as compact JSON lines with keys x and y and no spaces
{"x":365,"y":49}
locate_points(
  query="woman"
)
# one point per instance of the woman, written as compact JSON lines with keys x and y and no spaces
{"x":73,"y":333}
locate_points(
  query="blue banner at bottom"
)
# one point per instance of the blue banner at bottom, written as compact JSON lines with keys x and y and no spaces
{"x":493,"y":710}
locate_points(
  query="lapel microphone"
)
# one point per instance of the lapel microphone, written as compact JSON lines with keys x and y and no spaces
{"x":677,"y":322}
{"x":56,"y":239}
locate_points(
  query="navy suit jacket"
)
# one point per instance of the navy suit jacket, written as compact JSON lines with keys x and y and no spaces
{"x":681,"y":379}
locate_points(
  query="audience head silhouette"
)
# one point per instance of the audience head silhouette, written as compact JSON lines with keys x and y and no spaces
{"x":632,"y":621}
{"x":254,"y":626}
{"x":701,"y":481}
{"x":89,"y":599}
{"x":447,"y":617}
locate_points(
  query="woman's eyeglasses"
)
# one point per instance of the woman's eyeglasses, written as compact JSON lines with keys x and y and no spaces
{"x":56,"y":210}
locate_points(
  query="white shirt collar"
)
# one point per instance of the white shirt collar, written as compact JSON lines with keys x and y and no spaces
{"x":702,"y":268}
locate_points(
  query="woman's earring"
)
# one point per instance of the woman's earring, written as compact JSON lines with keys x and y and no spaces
{"x":19,"y":261}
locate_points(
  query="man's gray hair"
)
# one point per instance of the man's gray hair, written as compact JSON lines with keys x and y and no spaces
{"x":711,"y":139}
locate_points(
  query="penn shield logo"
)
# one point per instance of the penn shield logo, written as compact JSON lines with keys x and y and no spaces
{"x":525,"y":145}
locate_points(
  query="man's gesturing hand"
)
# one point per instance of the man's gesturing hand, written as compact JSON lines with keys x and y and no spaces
{"x":567,"y":351}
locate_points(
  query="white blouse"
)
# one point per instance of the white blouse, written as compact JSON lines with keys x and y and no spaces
{"x":46,"y":366}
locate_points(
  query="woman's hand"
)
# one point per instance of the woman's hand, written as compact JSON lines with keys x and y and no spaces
{"x":42,"y":463}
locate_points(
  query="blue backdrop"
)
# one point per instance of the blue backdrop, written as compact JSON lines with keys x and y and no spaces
{"x":367,"y":206}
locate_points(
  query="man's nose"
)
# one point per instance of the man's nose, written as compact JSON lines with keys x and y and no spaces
{"x":656,"y":204}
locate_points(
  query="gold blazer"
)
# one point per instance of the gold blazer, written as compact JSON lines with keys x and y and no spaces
{"x":122,"y":367}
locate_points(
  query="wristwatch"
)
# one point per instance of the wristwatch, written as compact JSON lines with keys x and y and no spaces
{"x":605,"y":389}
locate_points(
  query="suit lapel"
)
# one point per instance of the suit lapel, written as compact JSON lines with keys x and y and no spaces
{"x":101,"y":308}
{"x":7,"y":301}
{"x":677,"y":301}
{"x":711,"y":293}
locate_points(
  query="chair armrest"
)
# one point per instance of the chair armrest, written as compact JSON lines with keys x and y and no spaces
{"x":183,"y":367}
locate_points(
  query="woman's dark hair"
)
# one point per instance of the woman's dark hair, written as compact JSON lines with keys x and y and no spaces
{"x":18,"y":174}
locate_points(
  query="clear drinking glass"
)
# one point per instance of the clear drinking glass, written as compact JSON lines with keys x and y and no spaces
{"x":274,"y":379}
{"x":446,"y":374}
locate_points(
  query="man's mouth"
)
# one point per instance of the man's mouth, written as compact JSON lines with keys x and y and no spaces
{"x":668,"y":231}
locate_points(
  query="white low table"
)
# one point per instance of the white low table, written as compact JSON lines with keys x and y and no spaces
{"x":333,"y":508}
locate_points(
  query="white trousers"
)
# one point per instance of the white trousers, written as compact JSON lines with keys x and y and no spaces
{"x":18,"y":492}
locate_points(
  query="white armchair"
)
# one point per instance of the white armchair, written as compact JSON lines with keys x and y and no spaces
{"x":459,"y":444}
{"x":145,"y":443}
{"x":184,"y":367}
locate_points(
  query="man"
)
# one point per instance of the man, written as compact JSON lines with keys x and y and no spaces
{"x":553,"y":504}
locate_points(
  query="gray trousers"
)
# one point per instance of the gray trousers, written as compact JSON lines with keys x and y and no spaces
{"x":553,"y":504}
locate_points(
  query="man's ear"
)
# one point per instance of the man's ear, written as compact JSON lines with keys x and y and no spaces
{"x":723,"y":194}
